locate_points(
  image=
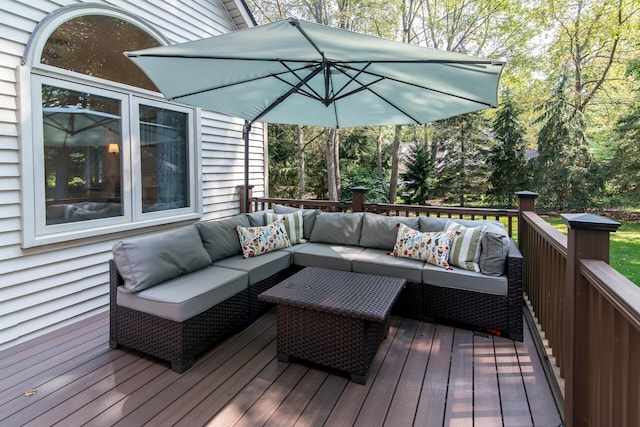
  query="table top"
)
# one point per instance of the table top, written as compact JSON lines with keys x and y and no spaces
{"x":359,"y":295}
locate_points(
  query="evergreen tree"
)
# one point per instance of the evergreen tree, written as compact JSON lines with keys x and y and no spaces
{"x":561,"y":174}
{"x":461,"y":168}
{"x":418,"y":176}
{"x":507,"y":165}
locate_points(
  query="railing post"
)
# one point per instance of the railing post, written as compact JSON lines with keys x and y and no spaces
{"x":358,"y":198}
{"x":244,"y":203}
{"x":526,"y":202}
{"x":588,"y":238}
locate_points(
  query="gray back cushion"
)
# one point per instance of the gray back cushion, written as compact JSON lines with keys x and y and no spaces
{"x":495,"y":248}
{"x":308,"y":218}
{"x":430,"y":224}
{"x":220,"y":238}
{"x":337,"y":228}
{"x":380,"y":232}
{"x":148,"y":260}
{"x":256,"y":219}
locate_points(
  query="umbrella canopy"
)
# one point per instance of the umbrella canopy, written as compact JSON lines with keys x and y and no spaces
{"x":298,"y":72}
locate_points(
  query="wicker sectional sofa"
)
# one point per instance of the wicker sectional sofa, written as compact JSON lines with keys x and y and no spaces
{"x":175,"y":293}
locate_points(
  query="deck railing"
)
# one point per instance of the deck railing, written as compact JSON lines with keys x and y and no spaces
{"x":358,"y":204}
{"x":587,"y":314}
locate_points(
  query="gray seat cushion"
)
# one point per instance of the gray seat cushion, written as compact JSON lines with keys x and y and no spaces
{"x":376,"y":261}
{"x":430,"y":224}
{"x":148,"y":260}
{"x":380,"y":232}
{"x":458,"y":278}
{"x":337,"y":228}
{"x":336,"y":257}
{"x":220,"y":237}
{"x":186,"y":296}
{"x":259,"y":267}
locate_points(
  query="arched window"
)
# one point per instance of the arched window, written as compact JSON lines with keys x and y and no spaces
{"x":80,"y":45}
{"x":108,"y":152}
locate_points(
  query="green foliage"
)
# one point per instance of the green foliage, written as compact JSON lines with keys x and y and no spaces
{"x":508,"y":168}
{"x":419,"y":176}
{"x":364,"y":177}
{"x":562,"y":174}
{"x":461,"y":168}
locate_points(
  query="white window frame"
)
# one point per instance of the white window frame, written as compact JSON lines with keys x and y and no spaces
{"x":31,"y":75}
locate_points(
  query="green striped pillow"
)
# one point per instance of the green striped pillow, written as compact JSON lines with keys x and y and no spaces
{"x":465,"y":247}
{"x":292,"y":224}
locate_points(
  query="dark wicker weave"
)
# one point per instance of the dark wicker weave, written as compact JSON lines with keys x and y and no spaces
{"x":468,"y":308}
{"x":334,"y":318}
{"x":258,"y":307}
{"x":176,"y":342}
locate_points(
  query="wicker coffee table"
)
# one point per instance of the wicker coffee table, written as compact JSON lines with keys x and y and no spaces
{"x":334,"y":318}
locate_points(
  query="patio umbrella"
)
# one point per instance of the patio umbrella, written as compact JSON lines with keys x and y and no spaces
{"x":298,"y":72}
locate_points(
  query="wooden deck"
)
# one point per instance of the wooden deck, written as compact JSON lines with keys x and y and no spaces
{"x":423,"y":375}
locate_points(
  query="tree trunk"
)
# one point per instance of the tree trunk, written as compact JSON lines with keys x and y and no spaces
{"x":331,"y":165}
{"x":300,"y":135}
{"x":393,"y":181}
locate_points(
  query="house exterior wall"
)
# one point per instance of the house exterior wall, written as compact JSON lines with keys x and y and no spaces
{"x":46,"y":287}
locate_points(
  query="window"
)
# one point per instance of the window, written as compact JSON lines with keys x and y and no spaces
{"x":108,"y":153}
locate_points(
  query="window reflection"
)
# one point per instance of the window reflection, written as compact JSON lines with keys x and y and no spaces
{"x":163,"y":153}
{"x":82,"y":170}
{"x":93,"y":45}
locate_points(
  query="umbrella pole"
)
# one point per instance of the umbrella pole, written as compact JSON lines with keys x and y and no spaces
{"x":246,"y":129}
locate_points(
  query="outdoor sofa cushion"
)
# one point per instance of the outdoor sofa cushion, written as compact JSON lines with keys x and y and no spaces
{"x":220,"y":237}
{"x":148,"y":260}
{"x":337,"y":228}
{"x":458,"y":278}
{"x":378,"y":261}
{"x":336,"y":257}
{"x":292,"y":224}
{"x":380,"y":232}
{"x":308,"y":217}
{"x":183,"y":297}
{"x":258,"y":268}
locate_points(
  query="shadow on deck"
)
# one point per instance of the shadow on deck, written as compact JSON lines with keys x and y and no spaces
{"x":423,"y":375}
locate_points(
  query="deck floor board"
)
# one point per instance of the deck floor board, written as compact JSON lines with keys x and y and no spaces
{"x":423,"y":374}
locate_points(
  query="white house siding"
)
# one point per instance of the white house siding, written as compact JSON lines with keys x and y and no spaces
{"x":46,"y":287}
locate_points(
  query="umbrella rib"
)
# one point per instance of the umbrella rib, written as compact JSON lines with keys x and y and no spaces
{"x":381,"y":77}
{"x":290,"y":92}
{"x":255,"y":79}
{"x":311,"y":93}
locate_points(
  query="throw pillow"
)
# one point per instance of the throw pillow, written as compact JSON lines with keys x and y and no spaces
{"x":292,"y":224}
{"x":432,"y":247}
{"x":260,"y":240}
{"x":465,"y":247}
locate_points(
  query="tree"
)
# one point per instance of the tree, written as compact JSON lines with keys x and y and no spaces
{"x":507,"y":165}
{"x":419,"y":177}
{"x":461,"y":169}
{"x":561,"y":173}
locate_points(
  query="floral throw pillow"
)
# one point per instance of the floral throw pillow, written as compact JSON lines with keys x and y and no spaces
{"x":432,"y":247}
{"x":260,"y":240}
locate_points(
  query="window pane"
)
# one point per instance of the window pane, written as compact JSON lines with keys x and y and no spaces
{"x":81,"y":134}
{"x":163,"y":154}
{"x":94,"y":44}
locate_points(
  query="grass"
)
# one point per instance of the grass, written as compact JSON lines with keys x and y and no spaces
{"x":624,"y":247}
